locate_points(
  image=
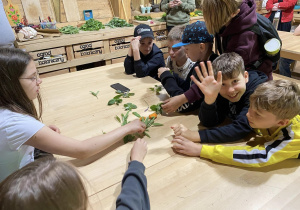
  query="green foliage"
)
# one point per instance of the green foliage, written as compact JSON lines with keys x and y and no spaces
{"x":142,"y":18}
{"x":156,"y":108}
{"x":156,"y":89}
{"x":118,"y":23}
{"x":117,"y":99}
{"x":95,"y":93}
{"x":92,"y":25}
{"x":129,"y":106}
{"x":69,"y":30}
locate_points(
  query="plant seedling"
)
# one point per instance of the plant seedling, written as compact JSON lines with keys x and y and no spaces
{"x":156,"y":89}
{"x":129,"y":106}
{"x":156,"y":108}
{"x":117,"y":99}
{"x":95,"y":93}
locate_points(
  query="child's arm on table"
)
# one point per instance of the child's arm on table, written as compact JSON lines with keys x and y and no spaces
{"x":134,"y":193}
{"x":50,"y":141}
{"x":259,"y":156}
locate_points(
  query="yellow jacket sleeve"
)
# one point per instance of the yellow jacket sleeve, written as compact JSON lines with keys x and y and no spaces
{"x":286,"y":145}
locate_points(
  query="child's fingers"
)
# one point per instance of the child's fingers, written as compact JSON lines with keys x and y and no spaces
{"x":203,"y":69}
{"x":197,"y":70}
{"x":219,"y":77}
{"x":195,"y":81}
{"x":210,"y":68}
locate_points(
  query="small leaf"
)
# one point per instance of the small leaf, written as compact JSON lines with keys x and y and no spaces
{"x":136,"y":114}
{"x":146,"y":134}
{"x":157,"y":124}
{"x":118,"y":118}
{"x":111,"y":102}
{"x":117,"y":96}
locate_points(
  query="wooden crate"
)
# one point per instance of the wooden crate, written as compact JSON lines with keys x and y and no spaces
{"x":53,"y":73}
{"x":118,"y":60}
{"x":88,"y":49}
{"x":47,"y":53}
{"x":160,"y":38}
{"x":50,"y":61}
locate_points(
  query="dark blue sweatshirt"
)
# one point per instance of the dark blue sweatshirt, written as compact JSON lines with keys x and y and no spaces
{"x":147,"y":65}
{"x":134,"y":194}
{"x":214,"y":114}
{"x":175,"y":85}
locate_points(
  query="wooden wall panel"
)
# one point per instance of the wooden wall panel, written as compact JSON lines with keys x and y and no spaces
{"x":101,"y":8}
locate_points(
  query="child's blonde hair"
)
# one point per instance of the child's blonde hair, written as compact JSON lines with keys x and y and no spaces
{"x":230,"y":64}
{"x":176,"y":33}
{"x":217,"y":13}
{"x":280,"y":97}
{"x":44,"y":184}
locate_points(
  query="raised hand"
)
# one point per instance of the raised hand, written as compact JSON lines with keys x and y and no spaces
{"x":207,"y":84}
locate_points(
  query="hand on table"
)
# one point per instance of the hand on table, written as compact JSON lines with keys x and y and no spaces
{"x":207,"y":84}
{"x":172,"y":104}
{"x":136,"y":126}
{"x":139,"y":150}
{"x":181,"y":130}
{"x":186,"y":147}
{"x":162,"y":70}
{"x":54,"y":128}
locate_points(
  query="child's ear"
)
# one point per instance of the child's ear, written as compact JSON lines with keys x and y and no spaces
{"x":246,"y":75}
{"x":283,"y":122}
{"x":235,"y":14}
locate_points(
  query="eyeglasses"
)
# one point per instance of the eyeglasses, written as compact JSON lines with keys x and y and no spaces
{"x":35,"y":78}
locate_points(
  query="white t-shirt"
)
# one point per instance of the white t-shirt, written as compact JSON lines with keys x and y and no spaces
{"x":15,"y":130}
{"x":182,"y":71}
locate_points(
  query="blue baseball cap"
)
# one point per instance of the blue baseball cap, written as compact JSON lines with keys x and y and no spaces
{"x":195,"y":33}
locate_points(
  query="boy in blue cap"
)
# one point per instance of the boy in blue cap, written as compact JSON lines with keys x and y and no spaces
{"x":144,"y":57}
{"x":198,"y":45}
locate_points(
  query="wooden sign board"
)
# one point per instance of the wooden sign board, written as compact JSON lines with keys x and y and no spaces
{"x":46,"y":53}
{"x":32,"y":10}
{"x":121,"y":40}
{"x":87,"y":53}
{"x":50,"y":61}
{"x":119,"y":47}
{"x":89,"y":45}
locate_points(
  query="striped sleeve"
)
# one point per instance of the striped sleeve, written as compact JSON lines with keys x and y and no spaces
{"x":286,"y":146}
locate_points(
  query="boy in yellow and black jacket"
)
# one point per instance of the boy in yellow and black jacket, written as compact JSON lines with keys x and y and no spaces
{"x":274,"y":115}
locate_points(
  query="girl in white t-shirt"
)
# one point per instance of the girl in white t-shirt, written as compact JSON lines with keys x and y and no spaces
{"x":20,"y":128}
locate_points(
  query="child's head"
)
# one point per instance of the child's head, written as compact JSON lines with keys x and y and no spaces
{"x":218,"y":13}
{"x":19,"y":82}
{"x":196,"y":41}
{"x":174,"y":37}
{"x":146,"y":41}
{"x":44,"y":184}
{"x":234,"y":76}
{"x":273,"y":104}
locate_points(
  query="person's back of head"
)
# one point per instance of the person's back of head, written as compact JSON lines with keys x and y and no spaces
{"x":230,"y":64}
{"x":176,"y":33}
{"x":13,"y":63}
{"x":44,"y":184}
{"x":218,"y":12}
{"x":279,"y":97}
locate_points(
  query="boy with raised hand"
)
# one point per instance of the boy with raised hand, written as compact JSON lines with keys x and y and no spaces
{"x":274,"y":115}
{"x":226,"y":88}
{"x":198,"y":44}
{"x":144,"y":57}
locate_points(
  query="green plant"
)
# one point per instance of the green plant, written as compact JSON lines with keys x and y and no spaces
{"x":92,"y":25}
{"x":129,"y":106}
{"x":95,"y":93}
{"x":117,"y":99}
{"x":142,"y":18}
{"x":156,"y":89}
{"x":149,"y":121}
{"x":156,"y":108}
{"x":117,"y":22}
{"x":69,"y":30}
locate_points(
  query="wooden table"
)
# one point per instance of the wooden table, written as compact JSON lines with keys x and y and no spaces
{"x":174,"y":181}
{"x":290,"y":45}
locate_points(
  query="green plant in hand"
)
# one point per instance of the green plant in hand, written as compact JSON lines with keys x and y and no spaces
{"x":156,"y":89}
{"x":149,"y":121}
{"x":95,"y":93}
{"x":129,"y":106}
{"x":156,"y":108}
{"x":124,"y":120}
{"x":117,"y":99}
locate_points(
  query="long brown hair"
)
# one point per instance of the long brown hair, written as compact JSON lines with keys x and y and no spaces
{"x":217,"y":13}
{"x":13,"y":63}
{"x":44,"y":184}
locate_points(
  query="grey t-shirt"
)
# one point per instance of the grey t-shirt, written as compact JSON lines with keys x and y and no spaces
{"x":7,"y":36}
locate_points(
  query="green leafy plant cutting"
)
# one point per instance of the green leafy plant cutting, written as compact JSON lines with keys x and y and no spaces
{"x":92,"y":25}
{"x":129,"y":106}
{"x":156,"y":108}
{"x":95,"y":93}
{"x":117,"y":99}
{"x":156,"y":89}
{"x":149,"y":121}
{"x":118,"y":23}
{"x":142,"y":18}
{"x":69,"y":30}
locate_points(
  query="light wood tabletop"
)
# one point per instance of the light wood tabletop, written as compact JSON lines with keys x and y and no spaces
{"x":174,"y":181}
{"x":290,"y":45}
